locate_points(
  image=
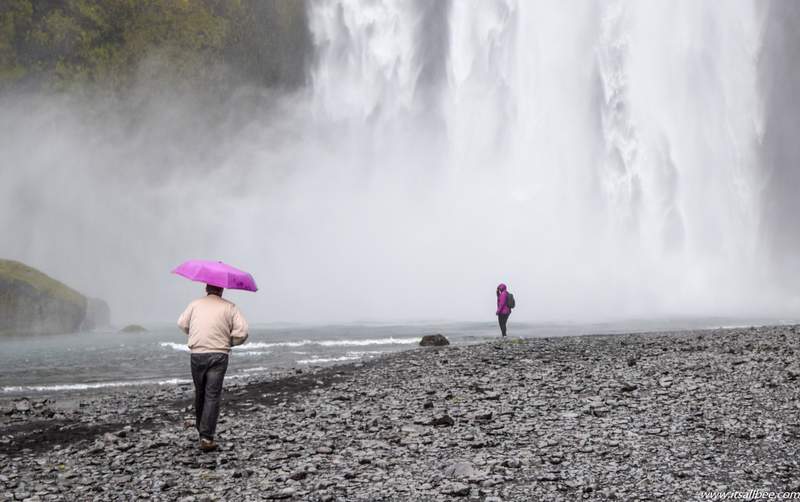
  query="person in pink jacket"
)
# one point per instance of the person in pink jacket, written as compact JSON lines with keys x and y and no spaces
{"x":503,"y":310}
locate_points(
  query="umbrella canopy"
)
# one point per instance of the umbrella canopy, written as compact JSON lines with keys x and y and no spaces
{"x":217,"y":274}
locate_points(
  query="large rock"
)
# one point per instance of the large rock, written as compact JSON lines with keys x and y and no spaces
{"x":461,"y":470}
{"x":133,"y":328}
{"x":98,"y":314}
{"x":434,"y":341}
{"x":32,"y":302}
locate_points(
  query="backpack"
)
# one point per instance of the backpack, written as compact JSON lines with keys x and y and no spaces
{"x":510,"y":303}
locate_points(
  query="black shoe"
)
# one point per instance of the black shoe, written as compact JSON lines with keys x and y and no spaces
{"x":208,"y":444}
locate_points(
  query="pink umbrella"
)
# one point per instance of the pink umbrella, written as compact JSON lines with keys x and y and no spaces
{"x":217,"y":274}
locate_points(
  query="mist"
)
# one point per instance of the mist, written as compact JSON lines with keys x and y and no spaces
{"x":606,"y":160}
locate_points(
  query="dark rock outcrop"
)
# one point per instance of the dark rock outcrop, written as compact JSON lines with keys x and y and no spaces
{"x":133,"y":328}
{"x":32,"y":302}
{"x":434,"y":341}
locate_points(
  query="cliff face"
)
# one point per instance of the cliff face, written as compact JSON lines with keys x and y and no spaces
{"x":98,"y":315}
{"x":32,"y":302}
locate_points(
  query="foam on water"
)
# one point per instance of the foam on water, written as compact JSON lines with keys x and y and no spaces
{"x":257,"y":369}
{"x":181,"y":347}
{"x":17,"y":389}
{"x":379,"y":341}
{"x":92,"y":361}
{"x":248,"y":348}
{"x":349,"y":356}
{"x":328,"y":343}
{"x":87,"y":386}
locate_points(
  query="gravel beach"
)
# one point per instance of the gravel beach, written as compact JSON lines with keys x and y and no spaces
{"x":664,"y":416}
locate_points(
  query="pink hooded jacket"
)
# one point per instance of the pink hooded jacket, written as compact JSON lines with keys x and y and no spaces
{"x":502,"y":300}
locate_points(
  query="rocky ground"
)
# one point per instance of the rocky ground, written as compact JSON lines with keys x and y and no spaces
{"x":627,"y":417}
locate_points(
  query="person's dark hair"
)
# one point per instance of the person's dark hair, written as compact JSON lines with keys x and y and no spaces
{"x":213,"y":290}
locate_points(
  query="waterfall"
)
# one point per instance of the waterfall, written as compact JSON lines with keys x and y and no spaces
{"x":607,"y":160}
{"x":600,"y":154}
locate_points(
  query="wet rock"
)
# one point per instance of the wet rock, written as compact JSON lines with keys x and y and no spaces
{"x":298,"y":475}
{"x":443,"y":420}
{"x":460,"y":470}
{"x":456,"y":489}
{"x":97,"y":447}
{"x":437,"y":340}
{"x":168,"y":483}
{"x":133,"y":328}
{"x":22,"y":406}
{"x":413,"y":429}
{"x":283,"y":494}
{"x":548,"y":477}
{"x":565,"y":420}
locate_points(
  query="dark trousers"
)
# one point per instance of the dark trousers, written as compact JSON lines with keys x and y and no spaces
{"x":208,"y":371}
{"x":503,"y":319}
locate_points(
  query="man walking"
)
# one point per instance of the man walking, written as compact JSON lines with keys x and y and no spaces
{"x":214,"y":325}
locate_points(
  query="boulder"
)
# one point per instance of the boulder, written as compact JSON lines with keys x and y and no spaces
{"x":434,"y":341}
{"x":133,"y":328}
{"x":34,"y":303}
{"x":98,"y":315}
{"x":460,"y":470}
{"x":457,"y":489}
{"x":23,"y":406}
{"x":445,"y":420}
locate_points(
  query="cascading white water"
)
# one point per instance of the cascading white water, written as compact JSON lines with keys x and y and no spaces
{"x":599,"y":156}
{"x":606,"y":159}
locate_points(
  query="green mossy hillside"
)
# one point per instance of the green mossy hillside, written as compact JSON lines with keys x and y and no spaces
{"x":114,"y":44}
{"x":33,"y":302}
{"x":14,"y":270}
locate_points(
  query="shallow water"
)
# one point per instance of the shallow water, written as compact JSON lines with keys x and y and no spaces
{"x":104,"y":359}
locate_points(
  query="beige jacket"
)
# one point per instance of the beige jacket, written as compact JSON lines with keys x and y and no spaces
{"x":213,"y":325}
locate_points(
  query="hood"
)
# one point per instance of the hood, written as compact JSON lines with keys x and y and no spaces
{"x":501,"y":287}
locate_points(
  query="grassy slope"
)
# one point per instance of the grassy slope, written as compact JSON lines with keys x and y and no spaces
{"x":113,"y":45}
{"x":15,"y":270}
